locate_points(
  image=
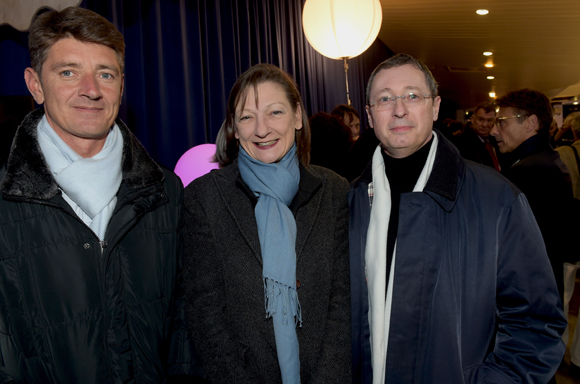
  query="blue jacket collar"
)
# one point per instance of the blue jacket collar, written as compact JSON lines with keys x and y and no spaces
{"x":446,"y":179}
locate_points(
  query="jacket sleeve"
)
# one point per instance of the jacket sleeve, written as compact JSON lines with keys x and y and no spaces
{"x":334,"y":365}
{"x":183,"y":366}
{"x":222,"y":354}
{"x":530,"y":322}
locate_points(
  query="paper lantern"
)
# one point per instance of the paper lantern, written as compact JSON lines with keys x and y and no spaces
{"x":341,"y":28}
{"x":196,"y":162}
{"x":20,"y":13}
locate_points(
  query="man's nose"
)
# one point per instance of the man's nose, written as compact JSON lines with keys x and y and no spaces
{"x":400,"y":108}
{"x":90,"y":87}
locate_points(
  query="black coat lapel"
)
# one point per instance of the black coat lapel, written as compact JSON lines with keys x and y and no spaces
{"x":240,"y":207}
{"x":306,"y":206}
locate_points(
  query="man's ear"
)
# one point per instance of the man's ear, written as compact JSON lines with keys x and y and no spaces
{"x":34,"y":85}
{"x":532,"y":124}
{"x":369,"y":117}
{"x":436,"y":105}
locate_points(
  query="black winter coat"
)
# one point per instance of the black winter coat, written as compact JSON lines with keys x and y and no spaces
{"x":225,"y":288}
{"x":77,"y":310}
{"x":545,"y":180}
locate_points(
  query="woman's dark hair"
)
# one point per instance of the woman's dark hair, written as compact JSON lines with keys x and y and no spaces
{"x":226,"y":142}
{"x":343,"y":109}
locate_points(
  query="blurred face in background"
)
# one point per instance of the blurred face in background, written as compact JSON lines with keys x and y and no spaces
{"x":353,"y":125}
{"x":482,"y":122}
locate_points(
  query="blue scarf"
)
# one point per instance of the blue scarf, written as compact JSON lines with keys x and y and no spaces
{"x":275,"y":185}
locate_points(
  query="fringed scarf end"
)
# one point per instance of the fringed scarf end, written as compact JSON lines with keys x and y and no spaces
{"x":275,"y":291}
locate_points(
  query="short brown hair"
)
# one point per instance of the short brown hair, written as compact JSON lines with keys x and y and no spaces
{"x":527,"y":102}
{"x":78,"y":23}
{"x":226,"y":142}
{"x":398,"y":61}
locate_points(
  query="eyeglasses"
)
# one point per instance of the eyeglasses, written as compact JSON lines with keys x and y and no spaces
{"x":500,"y":121}
{"x":409,"y":98}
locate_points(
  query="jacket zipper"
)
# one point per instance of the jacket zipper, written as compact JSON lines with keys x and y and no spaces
{"x":103,"y":245}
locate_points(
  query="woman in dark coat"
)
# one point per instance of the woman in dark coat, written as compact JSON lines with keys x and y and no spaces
{"x":266,"y":245}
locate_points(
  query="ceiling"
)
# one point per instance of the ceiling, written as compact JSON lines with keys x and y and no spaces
{"x":535,"y":44}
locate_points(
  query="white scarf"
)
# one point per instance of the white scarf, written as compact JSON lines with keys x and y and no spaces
{"x":376,"y":261}
{"x":89,"y":185}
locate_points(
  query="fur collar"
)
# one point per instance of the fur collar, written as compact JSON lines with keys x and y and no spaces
{"x":28,"y":174}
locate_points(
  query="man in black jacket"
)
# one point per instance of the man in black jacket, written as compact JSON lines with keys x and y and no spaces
{"x":474,"y":143}
{"x":521,"y":130}
{"x":90,"y":243}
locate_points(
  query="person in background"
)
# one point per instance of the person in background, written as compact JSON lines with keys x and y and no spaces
{"x":474,"y":143}
{"x":562,"y":136}
{"x":553,"y":131}
{"x":90,"y":280}
{"x":521,"y":131}
{"x":569,"y":153}
{"x":571,"y":157}
{"x":331,"y":142}
{"x":349,"y":117}
{"x":450,"y":281}
{"x":266,"y":244}
{"x":361,"y":154}
{"x":450,"y":128}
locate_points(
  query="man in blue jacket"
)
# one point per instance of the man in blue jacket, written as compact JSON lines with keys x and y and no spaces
{"x":90,"y":226}
{"x":449,"y":274}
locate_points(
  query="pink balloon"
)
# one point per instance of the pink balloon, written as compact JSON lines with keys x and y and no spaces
{"x":196,"y":162}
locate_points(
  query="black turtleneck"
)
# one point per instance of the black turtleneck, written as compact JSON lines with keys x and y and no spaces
{"x":402,"y":175}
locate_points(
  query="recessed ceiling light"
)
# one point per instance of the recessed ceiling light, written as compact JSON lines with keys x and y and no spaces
{"x":489,"y":65}
{"x":490,"y":77}
{"x":492,"y":94}
{"x":482,"y":11}
{"x":575,"y":103}
{"x":487,"y":53}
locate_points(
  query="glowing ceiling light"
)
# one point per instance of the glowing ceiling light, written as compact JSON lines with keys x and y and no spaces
{"x":492,"y":94}
{"x":341,"y":28}
{"x":489,"y":65}
{"x":487,"y":53}
{"x":482,"y":11}
{"x":490,"y":77}
{"x":575,"y":103}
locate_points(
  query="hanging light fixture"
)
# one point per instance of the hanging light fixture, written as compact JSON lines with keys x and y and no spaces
{"x":341,"y":29}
